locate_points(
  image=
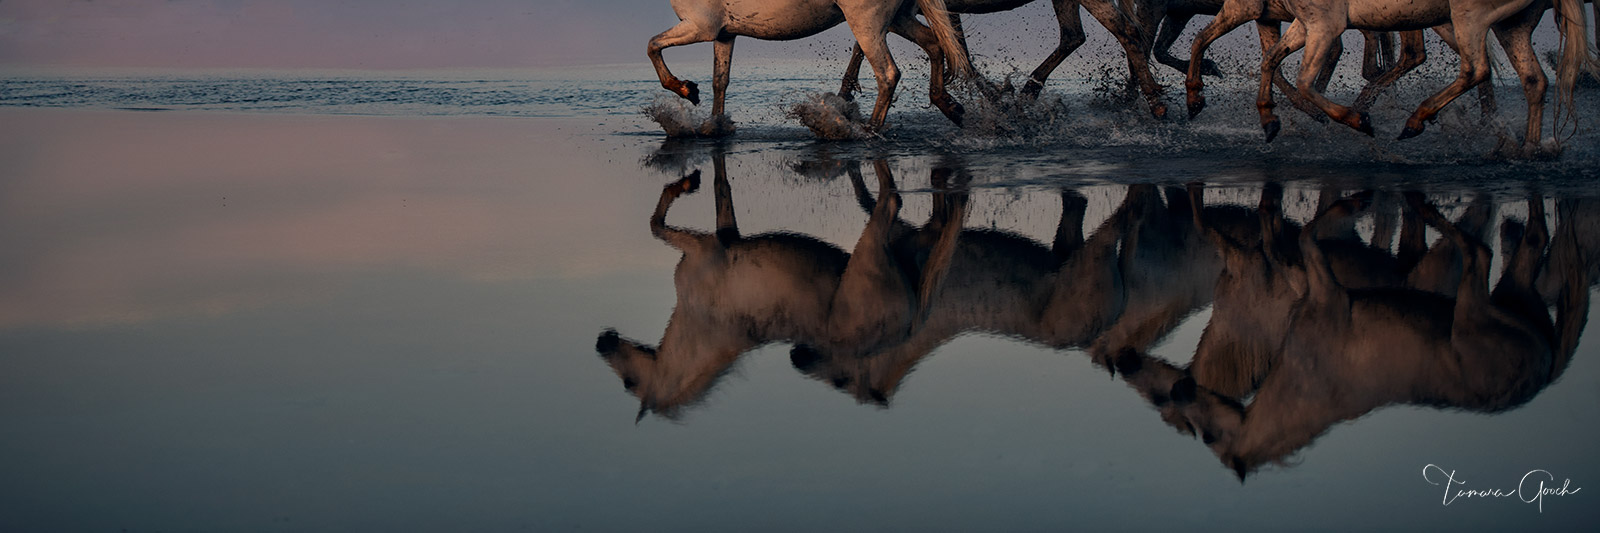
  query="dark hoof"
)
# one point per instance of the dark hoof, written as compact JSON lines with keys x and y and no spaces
{"x":1158,"y":110}
{"x":691,"y":92}
{"x":608,"y":342}
{"x":1209,"y":68}
{"x":955,"y":113}
{"x":1184,"y":391}
{"x":1364,"y":124}
{"x":803,"y":357}
{"x":1031,"y":90}
{"x":690,"y":183}
{"x":1410,"y":132}
{"x":1195,"y":107}
{"x":1128,"y":362}
{"x":1271,"y":129}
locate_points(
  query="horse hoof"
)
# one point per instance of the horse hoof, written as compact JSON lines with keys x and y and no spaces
{"x":1184,"y":391}
{"x":691,"y":92}
{"x":956,"y":113}
{"x":1196,"y":106}
{"x":1209,"y":68}
{"x":690,"y":183}
{"x":1158,"y":110}
{"x":1031,"y":90}
{"x":1271,"y":129}
{"x":1410,"y":132}
{"x":1364,"y":124}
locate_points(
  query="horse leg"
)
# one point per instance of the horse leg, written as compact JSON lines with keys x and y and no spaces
{"x":873,"y":303}
{"x":1469,"y":37}
{"x":923,"y":36}
{"x":1127,"y":34}
{"x":1171,"y":28}
{"x":727,"y":225}
{"x":1486,"y":102}
{"x":1072,"y":36}
{"x":1516,"y":38}
{"x":1330,"y":62}
{"x":1376,"y":50}
{"x":721,"y":65}
{"x":1271,"y":58}
{"x":852,"y":75}
{"x":1233,"y":14}
{"x":686,"y":32}
{"x":1413,"y":51}
{"x":1319,"y":43}
{"x":1269,"y":32}
{"x":870,"y":37}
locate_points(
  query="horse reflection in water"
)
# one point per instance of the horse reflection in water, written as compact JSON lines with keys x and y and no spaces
{"x":736,"y":293}
{"x":1345,"y":351}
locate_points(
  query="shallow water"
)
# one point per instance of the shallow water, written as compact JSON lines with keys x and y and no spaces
{"x":300,"y":321}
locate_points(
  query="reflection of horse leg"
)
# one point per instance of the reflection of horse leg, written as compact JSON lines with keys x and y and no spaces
{"x":1069,"y":231}
{"x":682,"y":239}
{"x":727,"y":227}
{"x":686,"y":32}
{"x":1072,"y":37}
{"x":872,"y":305}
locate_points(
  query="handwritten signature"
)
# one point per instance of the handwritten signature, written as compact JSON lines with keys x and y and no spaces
{"x":1526,"y":490}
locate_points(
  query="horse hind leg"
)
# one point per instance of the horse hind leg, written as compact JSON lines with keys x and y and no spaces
{"x":1516,"y":38}
{"x":1072,"y":36}
{"x":924,"y":38}
{"x":1413,"y":51}
{"x":1271,"y":58}
{"x":1319,"y":45}
{"x":1470,"y":36}
{"x":685,"y":32}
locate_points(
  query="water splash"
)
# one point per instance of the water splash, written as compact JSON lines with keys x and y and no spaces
{"x":830,"y":117}
{"x":681,"y":120}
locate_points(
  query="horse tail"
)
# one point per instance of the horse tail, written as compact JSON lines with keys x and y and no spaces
{"x":1575,"y":57}
{"x":949,"y":40}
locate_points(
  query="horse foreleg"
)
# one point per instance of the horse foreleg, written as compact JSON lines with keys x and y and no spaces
{"x":870,"y":37}
{"x":1127,"y":33}
{"x":1269,"y":32}
{"x":719,"y":84}
{"x":852,"y":75}
{"x":1474,"y":70}
{"x":1233,"y":14}
{"x":1486,"y":101}
{"x":1072,"y":37}
{"x":1413,"y":51}
{"x":1171,"y":28}
{"x":685,"y":32}
{"x":1319,"y":43}
{"x":1271,"y":58}
{"x":873,"y":303}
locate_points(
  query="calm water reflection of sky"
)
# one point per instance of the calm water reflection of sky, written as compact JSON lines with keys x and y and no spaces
{"x":222,"y":322}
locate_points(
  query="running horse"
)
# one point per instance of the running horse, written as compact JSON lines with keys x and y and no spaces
{"x":723,"y":20}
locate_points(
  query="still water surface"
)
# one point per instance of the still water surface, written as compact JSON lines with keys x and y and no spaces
{"x":306,"y":322}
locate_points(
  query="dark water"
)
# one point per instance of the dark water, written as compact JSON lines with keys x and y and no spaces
{"x":289,"y":321}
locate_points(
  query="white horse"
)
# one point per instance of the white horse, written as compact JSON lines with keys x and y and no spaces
{"x":1319,"y":23}
{"x":723,"y":20}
